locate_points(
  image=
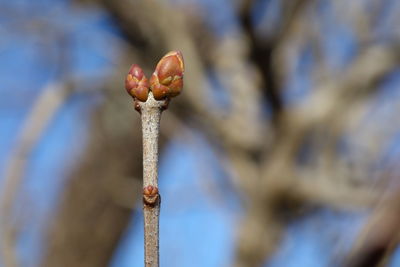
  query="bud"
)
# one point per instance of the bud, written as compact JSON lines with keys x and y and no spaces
{"x":150,"y":190}
{"x":150,"y":195}
{"x":136,"y":84}
{"x":167,"y":79}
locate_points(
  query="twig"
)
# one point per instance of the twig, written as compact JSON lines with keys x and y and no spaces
{"x":151,"y":115}
{"x":150,"y":100}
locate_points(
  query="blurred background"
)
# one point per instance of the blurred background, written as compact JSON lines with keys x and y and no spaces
{"x":283,"y":149}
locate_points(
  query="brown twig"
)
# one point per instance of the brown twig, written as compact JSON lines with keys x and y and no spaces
{"x":150,"y":99}
{"x":151,"y":115}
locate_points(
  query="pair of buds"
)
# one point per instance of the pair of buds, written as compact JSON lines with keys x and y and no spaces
{"x":166,"y":81}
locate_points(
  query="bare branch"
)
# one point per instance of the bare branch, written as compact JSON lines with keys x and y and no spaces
{"x":43,"y":110}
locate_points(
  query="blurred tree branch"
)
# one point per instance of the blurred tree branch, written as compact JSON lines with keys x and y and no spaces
{"x":260,"y":155}
{"x":254,"y":69}
{"x":380,"y":236}
{"x":47,"y":104}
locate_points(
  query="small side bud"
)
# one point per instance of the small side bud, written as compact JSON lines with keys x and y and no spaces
{"x":137,"y":106}
{"x":150,"y":195}
{"x":150,"y":190}
{"x":167,"y":79}
{"x":136,"y":83}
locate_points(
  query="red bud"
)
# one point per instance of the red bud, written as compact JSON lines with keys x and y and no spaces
{"x":136,"y":83}
{"x":167,"y":79}
{"x":150,"y":190}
